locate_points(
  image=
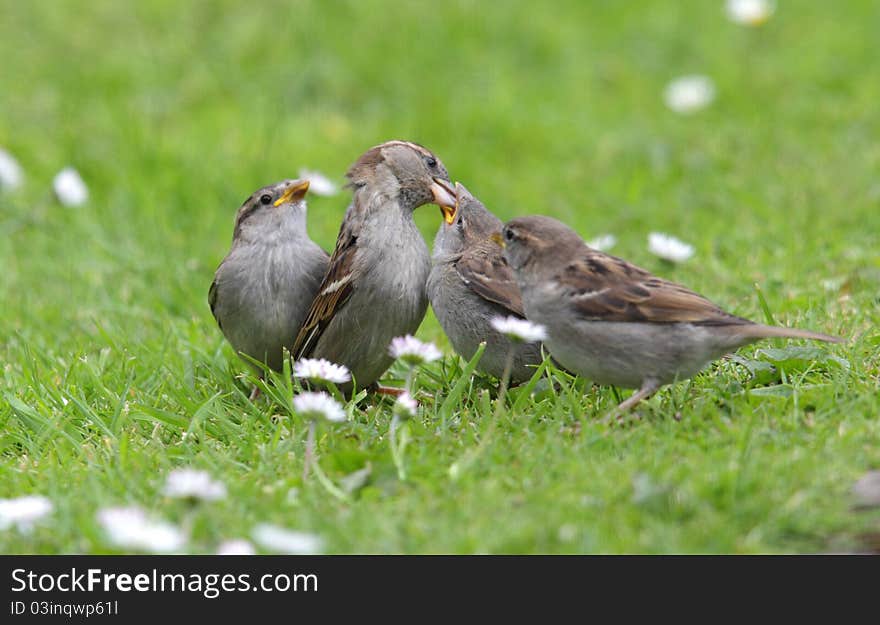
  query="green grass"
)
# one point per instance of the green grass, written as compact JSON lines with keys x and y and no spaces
{"x":114,"y":372}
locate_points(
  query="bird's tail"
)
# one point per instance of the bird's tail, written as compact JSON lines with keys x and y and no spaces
{"x":758,"y":331}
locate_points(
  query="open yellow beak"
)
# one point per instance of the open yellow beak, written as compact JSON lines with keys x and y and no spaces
{"x":294,"y":193}
{"x":496,"y":237}
{"x":446,"y":198}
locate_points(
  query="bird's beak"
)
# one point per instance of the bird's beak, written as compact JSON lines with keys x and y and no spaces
{"x":496,"y":237}
{"x":446,"y":198}
{"x":294,"y":193}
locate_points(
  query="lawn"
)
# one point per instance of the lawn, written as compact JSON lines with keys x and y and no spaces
{"x":114,"y":372}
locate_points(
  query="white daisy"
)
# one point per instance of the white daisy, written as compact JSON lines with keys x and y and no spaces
{"x":319,"y":184}
{"x":236,"y":547}
{"x":603,"y":242}
{"x":11,"y":174}
{"x":321,"y":370}
{"x":131,"y":528}
{"x":750,"y":12}
{"x":406,"y":406}
{"x":70,"y":188}
{"x":318,"y":406}
{"x":413,"y":351}
{"x":519,"y":330}
{"x":193,"y":484}
{"x":23,"y":512}
{"x":689,"y":94}
{"x":669,"y":248}
{"x":282,"y":540}
{"x":867,"y":490}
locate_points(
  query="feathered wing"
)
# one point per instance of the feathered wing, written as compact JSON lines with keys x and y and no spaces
{"x":483,"y":269}
{"x":334,"y":292}
{"x":212,"y":301}
{"x":606,"y":288}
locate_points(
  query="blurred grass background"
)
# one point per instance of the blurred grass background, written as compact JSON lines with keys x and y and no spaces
{"x":175,"y":112}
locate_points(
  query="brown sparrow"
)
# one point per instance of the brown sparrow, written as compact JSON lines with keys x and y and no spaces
{"x":262,"y":290}
{"x":615,"y":323}
{"x":374,"y":289}
{"x":471,"y":283}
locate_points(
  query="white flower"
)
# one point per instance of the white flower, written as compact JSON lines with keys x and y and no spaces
{"x":10,"y":171}
{"x":318,"y":406}
{"x":130,"y":528}
{"x":406,"y":406}
{"x":519,"y":330}
{"x":689,"y":94}
{"x":319,"y":184}
{"x":750,"y":12}
{"x":193,"y":484}
{"x":603,"y":243}
{"x":236,"y":547}
{"x":669,"y":248}
{"x":413,"y":351}
{"x":70,"y":187}
{"x":281,"y":540}
{"x":321,"y":370}
{"x":23,"y":512}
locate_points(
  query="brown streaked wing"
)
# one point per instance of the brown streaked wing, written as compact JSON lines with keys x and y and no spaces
{"x":328,"y":302}
{"x":212,"y":301}
{"x":486,"y":273}
{"x":606,"y":288}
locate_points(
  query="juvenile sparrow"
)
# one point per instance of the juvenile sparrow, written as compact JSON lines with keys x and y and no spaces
{"x":471,"y":283}
{"x":615,"y":323}
{"x":374,"y":289}
{"x":262,"y":290}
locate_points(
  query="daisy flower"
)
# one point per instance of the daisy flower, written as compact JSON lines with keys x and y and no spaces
{"x":193,"y":484}
{"x":318,"y":406}
{"x":321,"y":370}
{"x":282,"y":540}
{"x":406,"y":407}
{"x":867,"y":490}
{"x":750,"y":12}
{"x":236,"y":547}
{"x":603,"y":243}
{"x":519,"y":330}
{"x":10,"y":171}
{"x":689,"y":94}
{"x":131,"y":528}
{"x":23,"y":512}
{"x":70,"y":188}
{"x":319,"y":184}
{"x":413,"y":351}
{"x":669,"y":248}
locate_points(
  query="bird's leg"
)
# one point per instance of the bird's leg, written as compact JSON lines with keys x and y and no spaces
{"x":393,"y":391}
{"x":649,"y":387}
{"x":255,"y":394}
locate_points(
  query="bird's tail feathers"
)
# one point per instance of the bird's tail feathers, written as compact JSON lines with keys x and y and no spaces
{"x":758,"y":331}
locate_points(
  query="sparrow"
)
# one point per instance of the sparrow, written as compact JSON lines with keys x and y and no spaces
{"x":262,"y":290}
{"x":615,"y":323}
{"x":374,"y":289}
{"x":470,"y":283}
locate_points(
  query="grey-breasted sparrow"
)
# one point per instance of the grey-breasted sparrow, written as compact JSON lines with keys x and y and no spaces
{"x":262,"y":290}
{"x":470,"y":283}
{"x":374,"y":289}
{"x":615,"y":323}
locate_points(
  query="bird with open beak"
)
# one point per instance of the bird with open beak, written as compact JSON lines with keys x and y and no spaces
{"x":374,"y":289}
{"x":615,"y":323}
{"x":470,"y":284}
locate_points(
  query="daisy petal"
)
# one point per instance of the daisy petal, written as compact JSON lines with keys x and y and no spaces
{"x":519,"y":330}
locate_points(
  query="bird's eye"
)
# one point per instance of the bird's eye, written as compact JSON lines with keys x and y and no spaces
{"x":508,"y":234}
{"x":265,"y":198}
{"x":432,"y":162}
